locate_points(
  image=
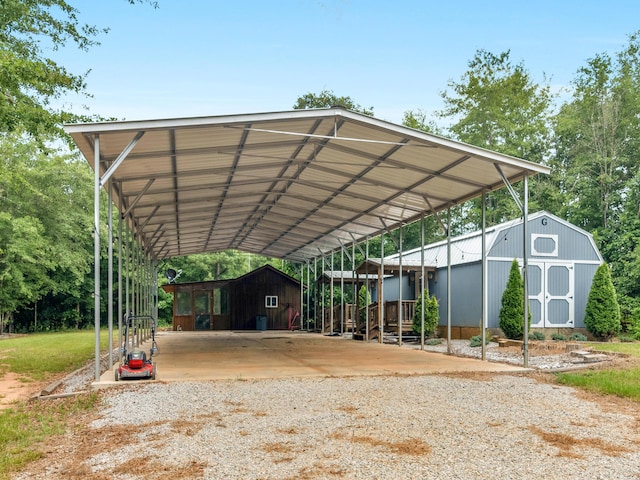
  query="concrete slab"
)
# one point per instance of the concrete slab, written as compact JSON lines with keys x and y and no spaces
{"x":186,"y":356}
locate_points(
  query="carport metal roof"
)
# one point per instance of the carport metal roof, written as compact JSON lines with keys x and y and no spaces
{"x":290,"y":185}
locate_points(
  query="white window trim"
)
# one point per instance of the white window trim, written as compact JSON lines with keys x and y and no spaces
{"x":271,"y":301}
{"x":553,"y":237}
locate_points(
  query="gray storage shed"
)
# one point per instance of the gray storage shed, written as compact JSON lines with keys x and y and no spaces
{"x":562,"y":261}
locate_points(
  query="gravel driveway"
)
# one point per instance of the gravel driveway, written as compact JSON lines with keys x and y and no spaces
{"x":386,"y":427}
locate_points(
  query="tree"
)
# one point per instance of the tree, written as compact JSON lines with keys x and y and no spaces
{"x":496,"y":105}
{"x":45,"y":236}
{"x":512,"y":310}
{"x":431,"y":314}
{"x":328,"y":99}
{"x":602,"y":313}
{"x":30,"y":79}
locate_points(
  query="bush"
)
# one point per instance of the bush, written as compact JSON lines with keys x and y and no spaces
{"x":476,"y":341}
{"x":433,"y":341}
{"x":602,"y":313}
{"x":512,"y":310}
{"x":537,"y":336}
{"x":431,"y":314}
{"x":578,"y":337}
{"x":558,"y":336}
{"x":364,"y":299}
{"x":627,"y":338}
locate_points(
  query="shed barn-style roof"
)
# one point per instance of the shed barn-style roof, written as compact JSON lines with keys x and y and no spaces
{"x":291,"y":185}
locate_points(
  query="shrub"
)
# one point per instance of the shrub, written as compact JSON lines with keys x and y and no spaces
{"x":578,"y":337}
{"x":537,"y":336}
{"x":512,"y":310}
{"x":433,"y":341}
{"x":431,"y":314}
{"x":558,"y":336}
{"x":476,"y":341}
{"x":602,"y":313}
{"x":364,"y":299}
{"x":627,"y":338}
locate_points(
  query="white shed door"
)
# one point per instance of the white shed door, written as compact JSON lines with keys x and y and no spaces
{"x":551,"y":292}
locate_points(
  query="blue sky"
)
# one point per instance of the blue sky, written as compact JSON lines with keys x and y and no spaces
{"x":211,"y":57}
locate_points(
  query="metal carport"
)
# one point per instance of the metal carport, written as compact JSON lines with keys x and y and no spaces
{"x":294,"y":185}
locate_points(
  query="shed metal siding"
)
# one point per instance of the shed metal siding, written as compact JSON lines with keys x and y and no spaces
{"x":573,"y":244}
{"x":466,"y":295}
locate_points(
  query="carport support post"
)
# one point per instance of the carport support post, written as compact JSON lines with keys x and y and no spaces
{"x":449,"y":280}
{"x":400,"y":303}
{"x":96,"y":253}
{"x":331,"y":300}
{"x":525,"y":261}
{"x":110,"y":275}
{"x":483,"y":318}
{"x":354,"y":309}
{"x":322,"y":298}
{"x":366,"y":279}
{"x":381,"y":291}
{"x":341,"y":289}
{"x":120,"y":312}
{"x":421,"y":297}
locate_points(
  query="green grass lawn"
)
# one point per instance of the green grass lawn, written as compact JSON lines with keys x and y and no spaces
{"x":43,"y":355}
{"x":622,"y":383}
{"x":39,"y":357}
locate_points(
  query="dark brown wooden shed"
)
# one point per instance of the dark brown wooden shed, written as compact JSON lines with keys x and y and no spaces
{"x":264,"y":299}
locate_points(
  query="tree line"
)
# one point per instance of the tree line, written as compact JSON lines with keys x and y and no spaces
{"x":588,"y":135}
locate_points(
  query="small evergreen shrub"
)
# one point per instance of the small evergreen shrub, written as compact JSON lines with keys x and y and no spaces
{"x":627,"y":338}
{"x":537,"y":336}
{"x":512,"y":310}
{"x":558,"y":336}
{"x":364,"y":299}
{"x":578,"y":337}
{"x":602,"y":313}
{"x":433,"y":341}
{"x":431,"y":314}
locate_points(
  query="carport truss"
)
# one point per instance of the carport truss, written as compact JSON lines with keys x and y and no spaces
{"x":292,"y":185}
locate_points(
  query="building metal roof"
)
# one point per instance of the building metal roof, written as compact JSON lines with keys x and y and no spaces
{"x":467,"y":248}
{"x":291,"y":185}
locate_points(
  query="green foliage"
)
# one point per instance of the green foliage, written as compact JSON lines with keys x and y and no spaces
{"x":512,"y":310}
{"x":578,"y":337}
{"x":558,"y":337}
{"x":32,"y":79}
{"x":539,"y":336}
{"x":45,"y":241}
{"x":602,"y":313}
{"x":433,"y":341}
{"x":364,"y":299}
{"x":627,"y":338}
{"x":476,"y":341}
{"x":497,"y":105}
{"x":431,"y":314}
{"x":327,"y":99}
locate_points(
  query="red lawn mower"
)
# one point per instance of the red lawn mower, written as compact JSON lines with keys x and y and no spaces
{"x":135,"y":364}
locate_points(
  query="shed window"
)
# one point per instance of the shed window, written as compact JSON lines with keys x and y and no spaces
{"x":220,"y":301}
{"x":271,"y":301}
{"x":544,"y":245}
{"x":183,"y":298}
